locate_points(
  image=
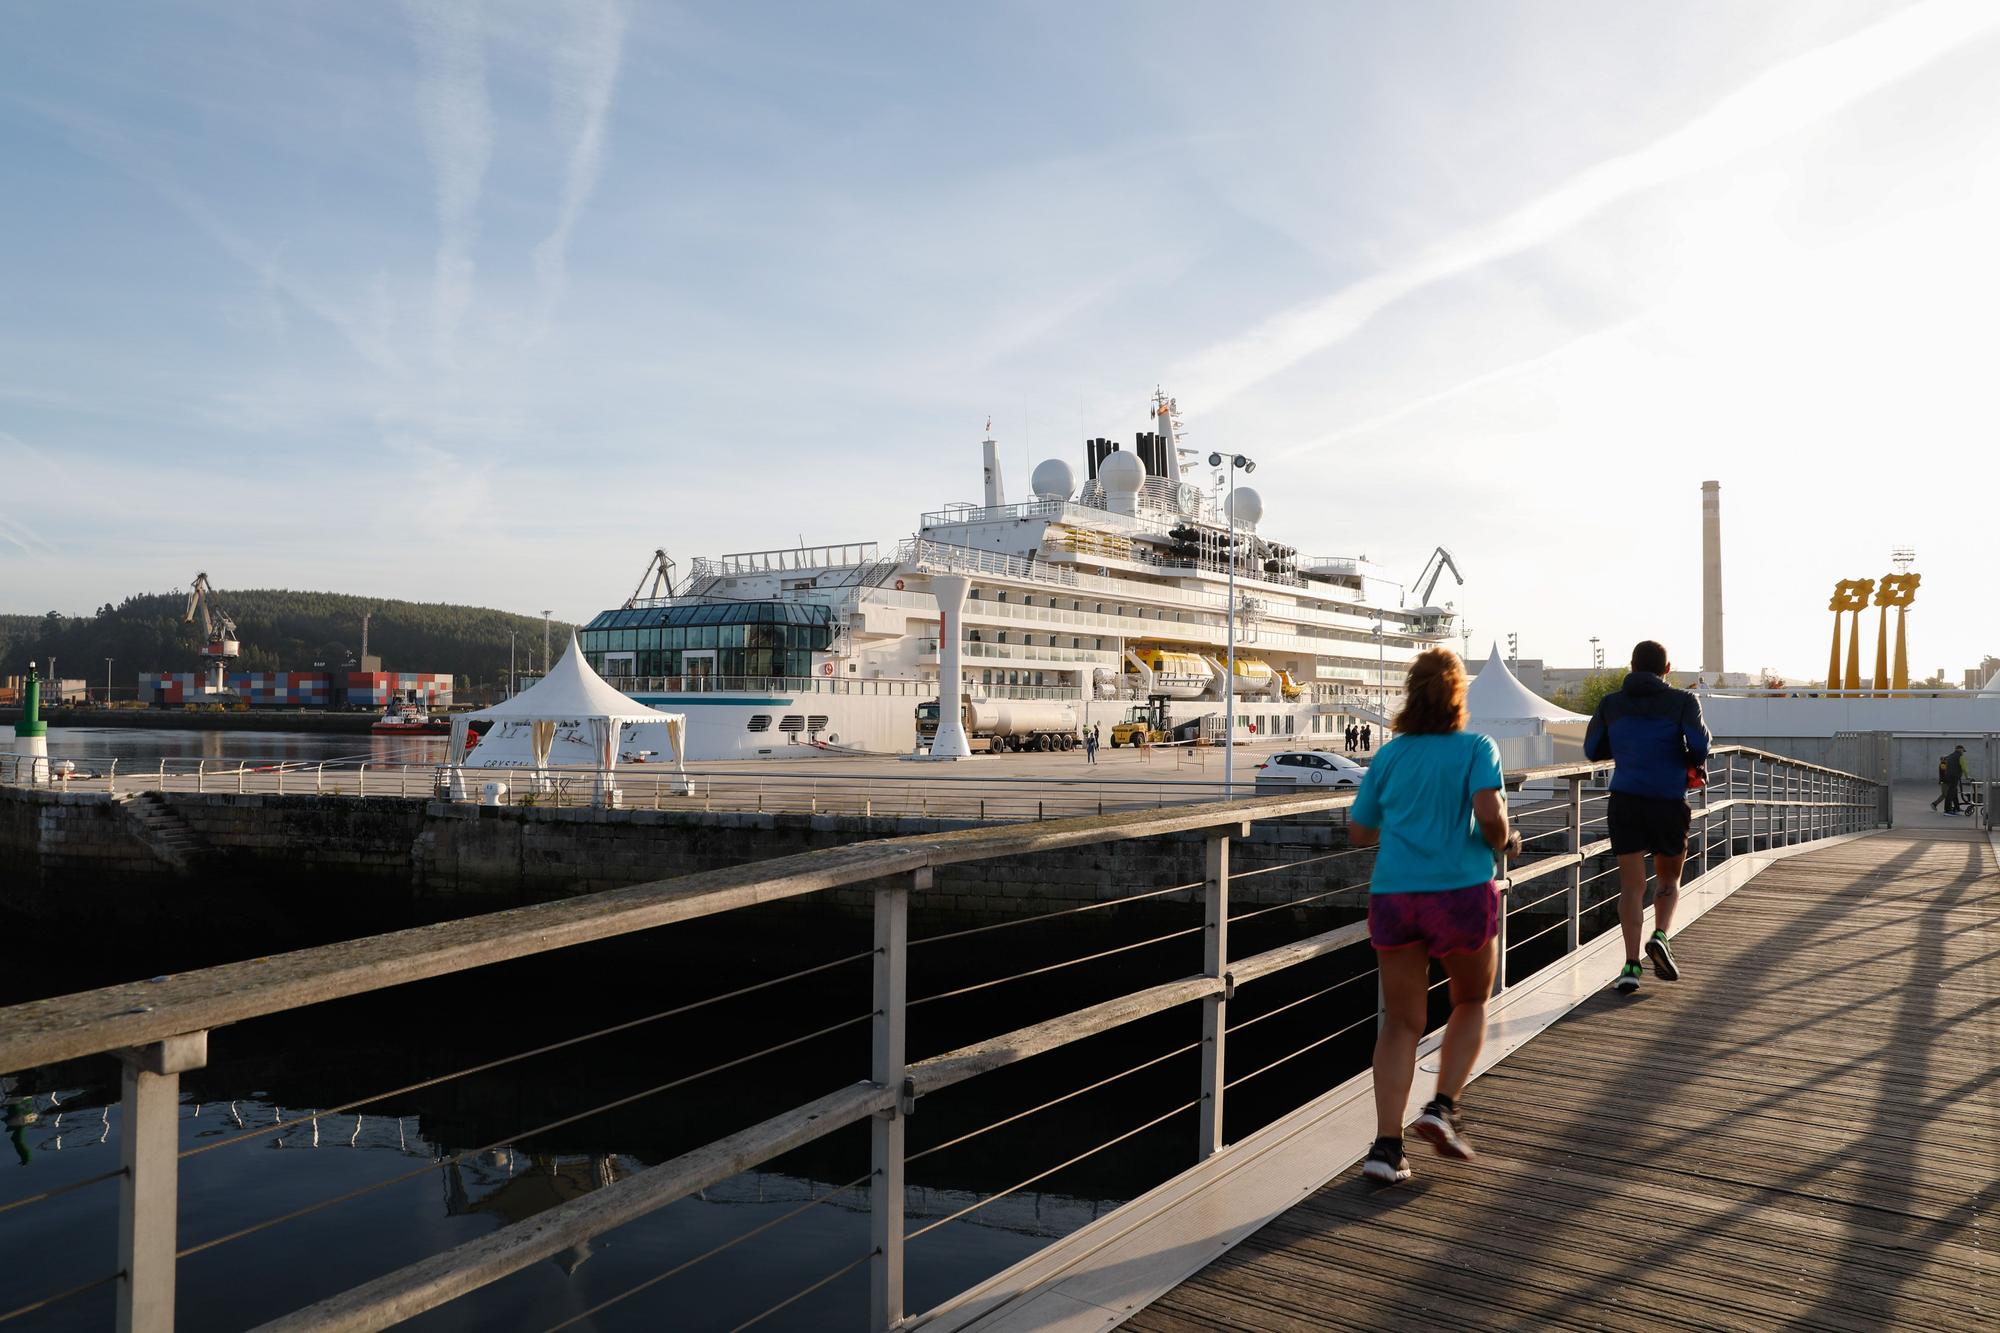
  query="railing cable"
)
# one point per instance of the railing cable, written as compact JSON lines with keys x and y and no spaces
{"x":1056,"y":967}
{"x":46,"y":1301}
{"x":1311,"y":1045}
{"x":58,"y":1191}
{"x":1053,"y":1101}
{"x":729,"y":1244}
{"x":443,"y":1162}
{"x":281,"y":1125}
{"x":1043,"y":1175}
{"x":1050,"y":916}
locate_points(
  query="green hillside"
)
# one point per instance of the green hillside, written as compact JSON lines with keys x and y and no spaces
{"x":280,"y":631}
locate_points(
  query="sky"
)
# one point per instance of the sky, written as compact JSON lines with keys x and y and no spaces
{"x":483,"y":303}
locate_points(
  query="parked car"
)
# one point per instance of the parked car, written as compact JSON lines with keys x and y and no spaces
{"x":1288,"y":770}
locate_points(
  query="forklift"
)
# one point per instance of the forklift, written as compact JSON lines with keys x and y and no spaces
{"x":1147,"y":720}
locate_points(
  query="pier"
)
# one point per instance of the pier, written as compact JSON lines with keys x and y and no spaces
{"x":1799,"y":1132}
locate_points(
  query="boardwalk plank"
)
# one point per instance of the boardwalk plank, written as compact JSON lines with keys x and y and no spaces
{"x":1800,"y":1134}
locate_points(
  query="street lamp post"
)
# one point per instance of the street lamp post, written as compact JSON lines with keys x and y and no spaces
{"x":545,"y":643}
{"x":107,"y":681}
{"x":510,"y":665}
{"x":1381,"y":670}
{"x":1237,"y":462}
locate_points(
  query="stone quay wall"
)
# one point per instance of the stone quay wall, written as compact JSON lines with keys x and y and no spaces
{"x":81,"y":851}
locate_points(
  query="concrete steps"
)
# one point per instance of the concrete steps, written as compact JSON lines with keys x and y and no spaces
{"x":164,"y":831}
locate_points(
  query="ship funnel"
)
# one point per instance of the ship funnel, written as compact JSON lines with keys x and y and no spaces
{"x":996,"y":492}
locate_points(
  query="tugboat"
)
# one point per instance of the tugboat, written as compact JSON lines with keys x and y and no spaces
{"x":407,"y":717}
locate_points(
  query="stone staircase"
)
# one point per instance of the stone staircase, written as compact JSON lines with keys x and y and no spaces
{"x":164,"y":832}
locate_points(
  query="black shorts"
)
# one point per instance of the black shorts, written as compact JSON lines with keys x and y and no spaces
{"x":1644,"y":824}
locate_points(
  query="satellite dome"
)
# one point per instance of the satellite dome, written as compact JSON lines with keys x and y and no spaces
{"x":1246,"y":506}
{"x":1121,"y":474}
{"x":1053,"y":480}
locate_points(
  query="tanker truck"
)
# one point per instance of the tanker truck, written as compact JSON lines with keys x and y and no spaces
{"x":1000,"y":725}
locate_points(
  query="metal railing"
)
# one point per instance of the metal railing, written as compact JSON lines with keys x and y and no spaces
{"x":1168,"y":775}
{"x":160,"y":1029}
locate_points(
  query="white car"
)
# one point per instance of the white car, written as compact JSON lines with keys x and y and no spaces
{"x":1309,"y":768}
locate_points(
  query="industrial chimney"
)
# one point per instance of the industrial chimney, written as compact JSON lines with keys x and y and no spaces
{"x":1711,"y":580}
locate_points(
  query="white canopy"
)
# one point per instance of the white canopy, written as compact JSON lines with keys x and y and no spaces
{"x":572,"y":695}
{"x":1495,"y":695}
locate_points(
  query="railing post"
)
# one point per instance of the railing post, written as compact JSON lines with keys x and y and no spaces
{"x":148,"y":1193}
{"x":885,"y":1132}
{"x":200,"y":774}
{"x":241,"y":766}
{"x":1214,"y":1009}
{"x":111,"y":779}
{"x":1573,"y":899}
{"x":1500,"y":955}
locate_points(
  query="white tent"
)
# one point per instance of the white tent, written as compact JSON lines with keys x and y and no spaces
{"x":571,"y":700}
{"x":1529,"y":729}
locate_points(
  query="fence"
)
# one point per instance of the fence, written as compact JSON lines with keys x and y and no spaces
{"x":160,"y":1029}
{"x":1172,"y":775}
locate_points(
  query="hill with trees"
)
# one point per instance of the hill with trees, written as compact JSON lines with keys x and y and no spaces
{"x":280,"y":630}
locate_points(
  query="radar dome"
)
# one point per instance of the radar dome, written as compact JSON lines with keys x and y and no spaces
{"x":1246,"y":506}
{"x":1122,"y":474}
{"x":1053,"y":480}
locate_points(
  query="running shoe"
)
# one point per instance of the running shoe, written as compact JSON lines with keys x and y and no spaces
{"x":1439,"y":1127}
{"x":1664,"y":966}
{"x":1385,"y":1162}
{"x":1628,"y":979}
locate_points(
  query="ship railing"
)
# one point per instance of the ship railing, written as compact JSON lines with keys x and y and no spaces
{"x":1208,"y":963}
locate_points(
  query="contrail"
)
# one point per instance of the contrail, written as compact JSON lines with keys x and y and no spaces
{"x":458,"y":134}
{"x":584,"y":75}
{"x":1782,"y":100}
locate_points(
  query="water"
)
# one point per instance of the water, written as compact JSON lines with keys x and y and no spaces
{"x":142,"y":746}
{"x":451,"y":1162}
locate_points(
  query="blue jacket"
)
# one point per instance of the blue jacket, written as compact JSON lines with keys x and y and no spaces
{"x":1652,"y":731}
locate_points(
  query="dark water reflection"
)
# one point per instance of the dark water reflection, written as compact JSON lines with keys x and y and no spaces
{"x":439,"y":1165}
{"x":90,"y":746}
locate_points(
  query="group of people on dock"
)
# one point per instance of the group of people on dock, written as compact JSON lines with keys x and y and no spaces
{"x":1433,"y":805}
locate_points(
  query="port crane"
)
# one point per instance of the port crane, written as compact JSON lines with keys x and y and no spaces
{"x":219,"y":646}
{"x":1427,"y":621}
{"x":660,"y":573}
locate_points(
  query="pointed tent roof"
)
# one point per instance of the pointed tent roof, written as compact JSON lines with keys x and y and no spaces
{"x":571,"y":691}
{"x":1992,"y":686}
{"x":1495,"y":695}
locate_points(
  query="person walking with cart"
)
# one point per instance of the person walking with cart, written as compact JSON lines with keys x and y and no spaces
{"x":1432,"y":803}
{"x":1656,"y":740}
{"x":1951,"y":772}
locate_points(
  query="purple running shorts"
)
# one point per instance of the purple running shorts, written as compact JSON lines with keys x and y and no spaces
{"x":1450,"y":922}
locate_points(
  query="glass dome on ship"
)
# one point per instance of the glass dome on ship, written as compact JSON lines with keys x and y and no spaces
{"x":1106,"y":594}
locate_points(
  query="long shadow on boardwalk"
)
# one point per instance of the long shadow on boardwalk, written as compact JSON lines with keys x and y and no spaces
{"x":1799,"y":1135}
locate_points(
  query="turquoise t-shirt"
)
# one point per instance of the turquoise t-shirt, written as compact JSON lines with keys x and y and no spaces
{"x":1418,"y":792}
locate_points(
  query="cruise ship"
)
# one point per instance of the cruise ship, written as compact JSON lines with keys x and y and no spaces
{"x":1110,"y":596}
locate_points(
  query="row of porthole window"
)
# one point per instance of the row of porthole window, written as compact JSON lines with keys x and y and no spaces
{"x":791,"y":722}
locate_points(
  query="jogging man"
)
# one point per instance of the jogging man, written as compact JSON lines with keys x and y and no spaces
{"x":1654,"y":734}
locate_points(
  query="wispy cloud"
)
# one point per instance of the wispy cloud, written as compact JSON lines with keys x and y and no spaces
{"x":147,"y":166}
{"x":584,"y":75}
{"x":458,"y":134}
{"x":1786,"y":98}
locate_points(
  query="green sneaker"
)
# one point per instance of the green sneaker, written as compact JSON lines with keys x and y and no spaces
{"x":1664,"y":966}
{"x":1628,"y":979}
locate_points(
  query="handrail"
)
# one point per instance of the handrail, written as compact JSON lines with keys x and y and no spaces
{"x":159,"y":1028}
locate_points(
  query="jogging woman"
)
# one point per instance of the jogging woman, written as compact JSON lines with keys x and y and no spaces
{"x":1432,"y":801}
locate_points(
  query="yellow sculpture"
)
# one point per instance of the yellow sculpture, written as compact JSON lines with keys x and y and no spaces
{"x":1848,"y":595}
{"x":1897,"y":590}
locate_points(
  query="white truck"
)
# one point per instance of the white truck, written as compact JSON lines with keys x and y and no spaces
{"x":1000,"y":725}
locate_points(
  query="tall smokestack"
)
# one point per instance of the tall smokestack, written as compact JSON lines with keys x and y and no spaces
{"x":1711,"y":579}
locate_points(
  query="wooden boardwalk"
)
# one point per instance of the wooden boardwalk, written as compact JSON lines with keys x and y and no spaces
{"x":1800,"y":1134}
